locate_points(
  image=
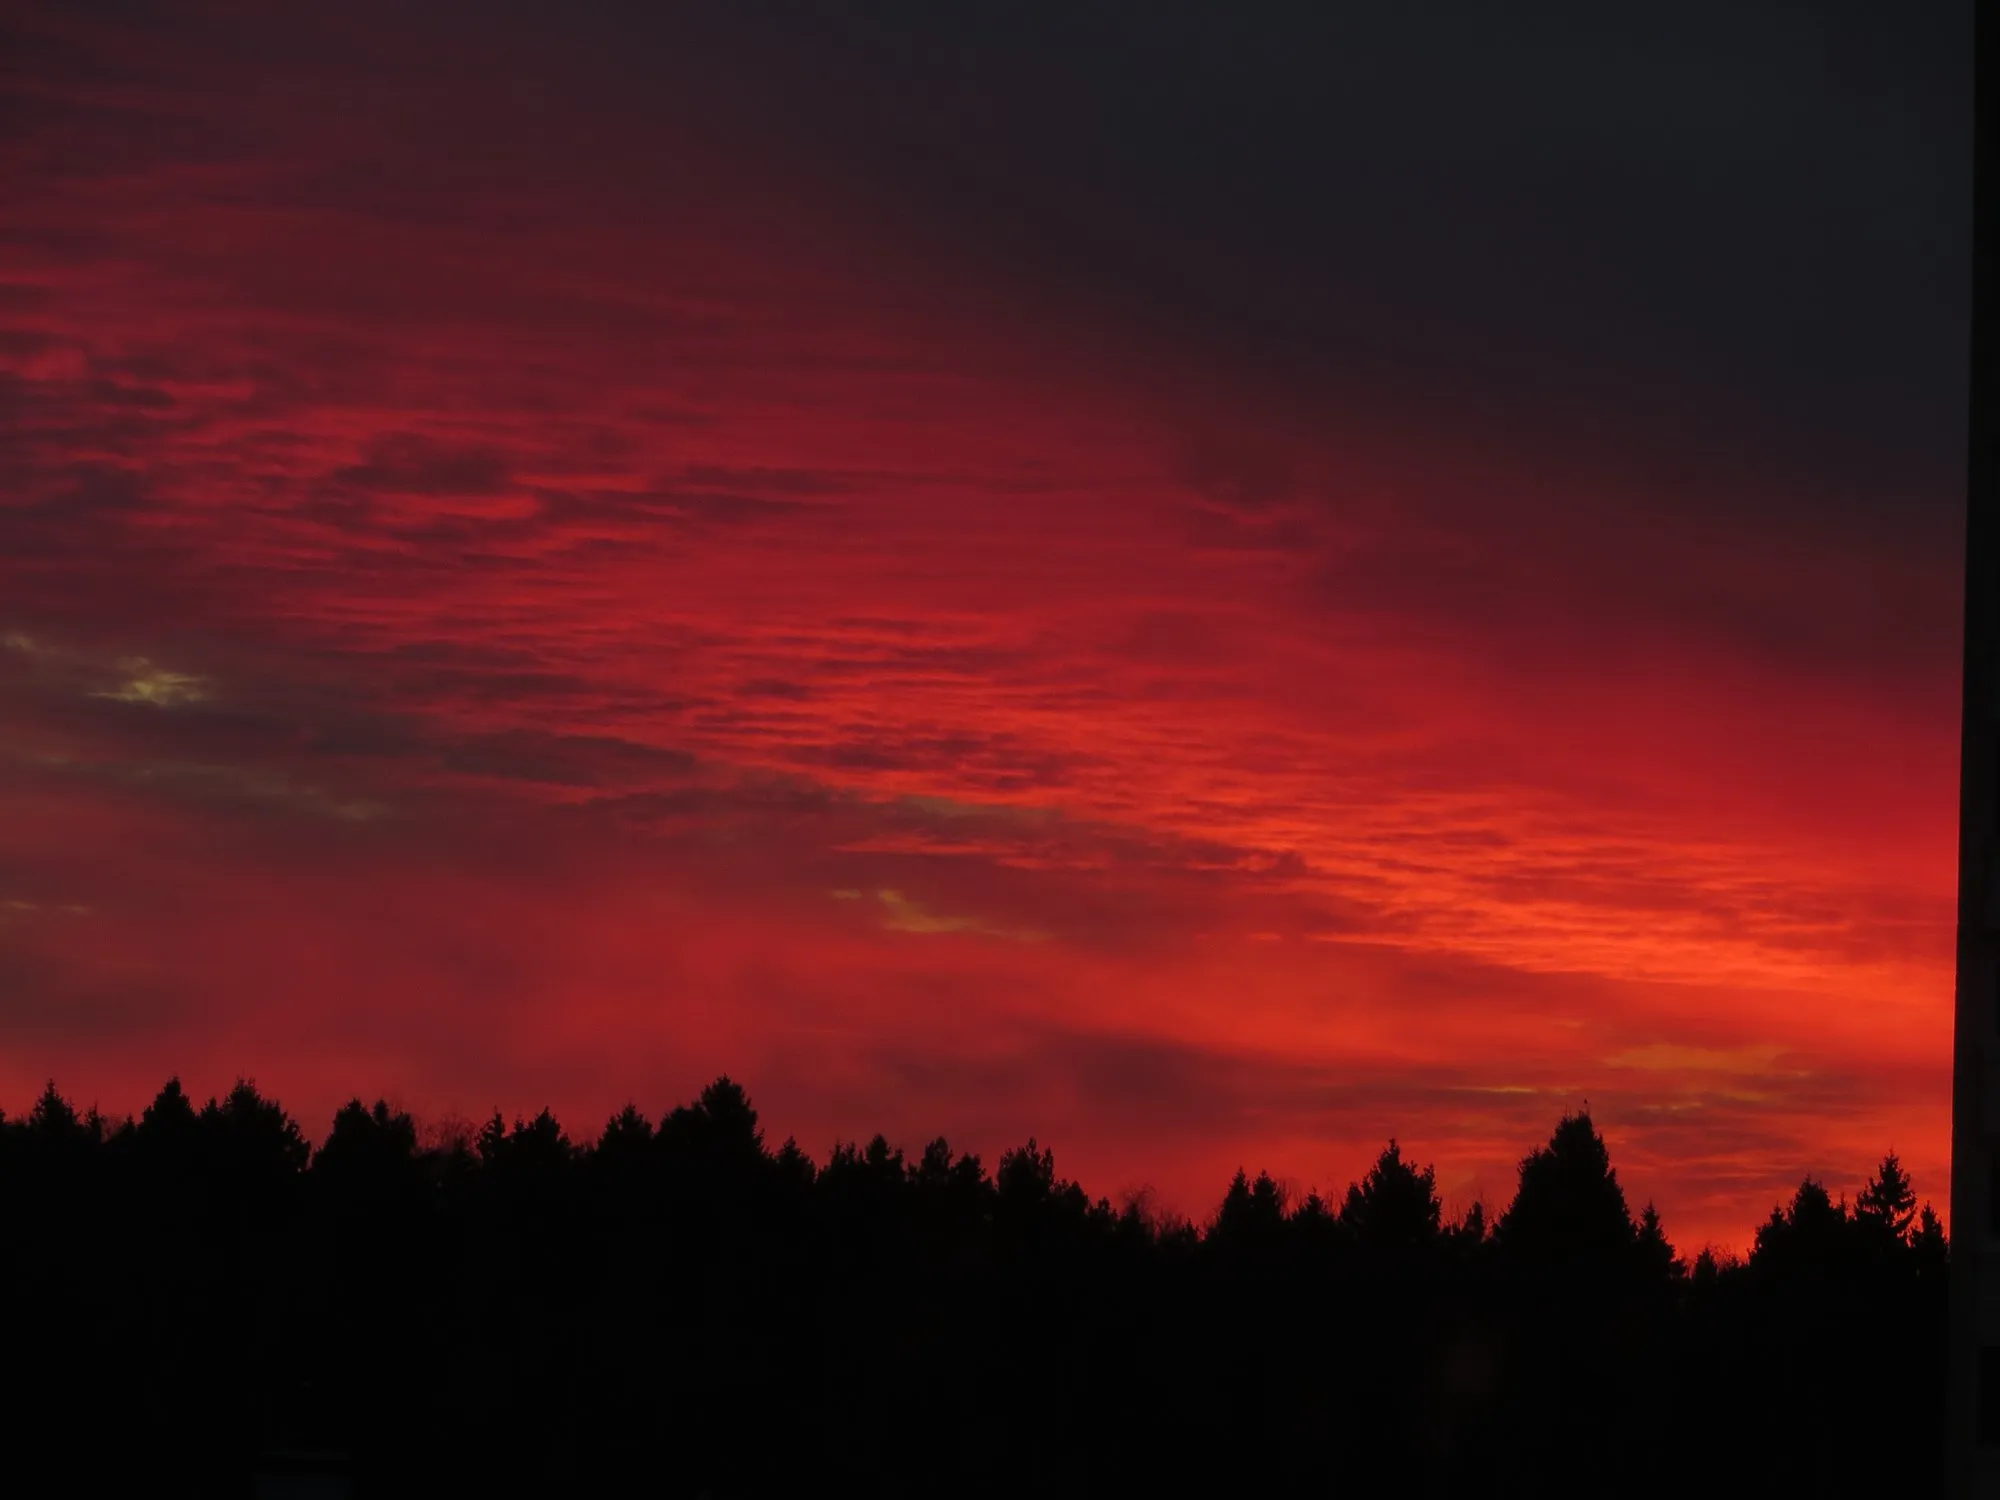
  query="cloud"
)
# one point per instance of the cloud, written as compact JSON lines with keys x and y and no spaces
{"x":13,"y":906}
{"x":1665,"y":1057}
{"x":905,"y":915}
{"x":409,"y":463}
{"x":153,"y":685}
{"x":1260,"y":669}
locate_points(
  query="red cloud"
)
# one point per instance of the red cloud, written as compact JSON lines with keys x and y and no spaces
{"x":586,"y":583}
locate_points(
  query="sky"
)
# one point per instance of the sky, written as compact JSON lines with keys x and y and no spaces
{"x":1214,"y":585}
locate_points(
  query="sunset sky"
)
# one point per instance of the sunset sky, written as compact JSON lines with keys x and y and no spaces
{"x":1211,"y":583}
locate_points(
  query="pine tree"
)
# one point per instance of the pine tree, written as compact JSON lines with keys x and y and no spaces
{"x":1250,"y":1210}
{"x":1656,"y":1254}
{"x":53,"y":1117}
{"x":1569,"y":1209}
{"x":1395,"y":1207}
{"x":1887,"y":1207}
{"x":1929,"y":1249}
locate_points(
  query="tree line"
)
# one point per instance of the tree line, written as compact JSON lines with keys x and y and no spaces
{"x":680,"y":1309}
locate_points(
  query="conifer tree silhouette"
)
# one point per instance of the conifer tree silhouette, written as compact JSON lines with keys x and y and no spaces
{"x":507,"y":1309}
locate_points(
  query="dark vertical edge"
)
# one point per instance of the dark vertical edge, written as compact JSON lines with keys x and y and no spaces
{"x":1977,"y":1008}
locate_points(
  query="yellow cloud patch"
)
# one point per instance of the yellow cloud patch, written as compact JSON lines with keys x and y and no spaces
{"x":905,"y":915}
{"x":146,"y":683}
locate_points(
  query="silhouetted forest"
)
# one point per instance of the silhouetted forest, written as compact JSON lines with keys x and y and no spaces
{"x":680,"y":1310}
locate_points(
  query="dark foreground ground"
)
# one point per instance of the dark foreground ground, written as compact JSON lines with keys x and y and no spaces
{"x":679,"y":1312}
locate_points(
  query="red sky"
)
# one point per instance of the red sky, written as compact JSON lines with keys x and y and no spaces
{"x":529,"y":578}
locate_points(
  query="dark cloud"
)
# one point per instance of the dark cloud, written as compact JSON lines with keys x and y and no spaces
{"x":409,"y":463}
{"x":48,"y":1006}
{"x":576,"y":760}
{"x":1706,"y":241}
{"x":1090,"y":1086}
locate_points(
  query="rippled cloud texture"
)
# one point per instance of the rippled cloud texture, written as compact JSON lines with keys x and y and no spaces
{"x":1213,"y":589}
